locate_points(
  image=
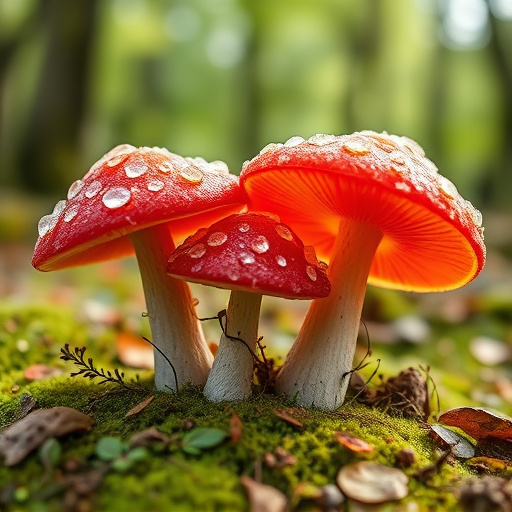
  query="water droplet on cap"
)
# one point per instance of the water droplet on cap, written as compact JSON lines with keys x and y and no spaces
{"x":245,"y":165}
{"x":400,"y":185}
{"x":46,"y":224}
{"x":71,"y":213}
{"x":155,"y":185}
{"x":476,"y":215}
{"x":281,"y":260}
{"x":192,"y":174}
{"x":135,"y":168}
{"x":355,"y":147}
{"x":116,"y":160}
{"x":260,"y":244}
{"x":244,"y":227}
{"x":284,"y":232}
{"x":219,"y":166}
{"x":311,"y":272}
{"x":322,"y":139}
{"x":116,"y":197}
{"x":310,"y":255}
{"x":447,"y":187}
{"x":294,"y":141}
{"x":270,"y":147}
{"x":197,"y":251}
{"x":166,"y":167}
{"x":58,"y":208}
{"x":93,"y":189}
{"x":247,"y":258}
{"x":75,"y":188}
{"x":217,"y":238}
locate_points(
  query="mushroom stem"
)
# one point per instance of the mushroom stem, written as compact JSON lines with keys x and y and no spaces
{"x":231,"y":375}
{"x":315,"y":370}
{"x":174,"y":326}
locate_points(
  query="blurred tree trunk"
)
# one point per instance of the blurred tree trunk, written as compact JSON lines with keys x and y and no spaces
{"x":498,"y":187}
{"x":49,"y":146}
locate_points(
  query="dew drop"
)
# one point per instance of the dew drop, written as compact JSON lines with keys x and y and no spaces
{"x":71,"y":213}
{"x":311,"y":272}
{"x":192,"y":174}
{"x":245,"y":165}
{"x":284,"y":232}
{"x":355,"y":147}
{"x":166,"y":167}
{"x":217,"y":238}
{"x":260,"y":244}
{"x":283,"y":159}
{"x":116,"y":197}
{"x":197,"y":251}
{"x":476,"y":215}
{"x":247,"y":258}
{"x":58,"y":208}
{"x":135,"y":168}
{"x":93,"y":189}
{"x":75,"y":188}
{"x":322,"y":139}
{"x":294,"y":141}
{"x":197,"y":267}
{"x":270,"y":147}
{"x":310,"y":255}
{"x":121,"y":150}
{"x":243,"y":228}
{"x":46,"y":224}
{"x":116,"y":160}
{"x":281,"y":260}
{"x":219,"y":166}
{"x":400,"y":185}
{"x":155,"y":185}
{"x":447,"y":187}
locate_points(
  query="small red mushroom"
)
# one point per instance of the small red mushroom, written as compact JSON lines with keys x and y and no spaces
{"x":376,"y":208}
{"x":252,"y":255}
{"x":138,"y":200}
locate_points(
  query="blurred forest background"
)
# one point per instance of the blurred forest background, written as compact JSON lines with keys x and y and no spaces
{"x":222,"y":78}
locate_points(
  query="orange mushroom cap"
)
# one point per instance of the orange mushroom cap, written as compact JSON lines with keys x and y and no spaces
{"x":432,"y":237}
{"x":253,"y":253}
{"x":127,"y":190}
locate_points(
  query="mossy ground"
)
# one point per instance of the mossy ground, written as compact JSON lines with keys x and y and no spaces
{"x":167,"y":478}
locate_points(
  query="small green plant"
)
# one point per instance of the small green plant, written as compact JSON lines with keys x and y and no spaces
{"x":119,"y":454}
{"x":199,"y":439}
{"x":88,"y":370}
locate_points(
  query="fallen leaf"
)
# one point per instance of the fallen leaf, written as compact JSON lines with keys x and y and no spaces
{"x":262,"y":497}
{"x":39,"y":372}
{"x":27,"y":404}
{"x":235,"y":428}
{"x":134,"y":352}
{"x":283,"y":415}
{"x":478,"y":423}
{"x":369,"y":482}
{"x":148,"y":437}
{"x":447,"y":438}
{"x":491,"y":446}
{"x":139,"y":407}
{"x":489,"y":464}
{"x":352,"y":443}
{"x":25,"y":435}
{"x":109,"y":448}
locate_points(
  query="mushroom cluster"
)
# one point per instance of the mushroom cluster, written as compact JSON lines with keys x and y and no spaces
{"x":370,"y":204}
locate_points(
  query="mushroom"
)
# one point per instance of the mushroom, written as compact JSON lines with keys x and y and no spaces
{"x":138,"y":200}
{"x":374,"y":207}
{"x":252,"y":255}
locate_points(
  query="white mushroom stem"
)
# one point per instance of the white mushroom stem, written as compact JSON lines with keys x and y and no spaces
{"x":231,"y":375}
{"x":315,"y":370}
{"x":175,"y":329}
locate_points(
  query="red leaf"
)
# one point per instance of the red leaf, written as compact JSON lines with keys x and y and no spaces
{"x":352,"y":443}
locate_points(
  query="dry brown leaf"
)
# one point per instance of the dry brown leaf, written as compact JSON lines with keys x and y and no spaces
{"x":40,"y":372}
{"x":478,"y":423}
{"x":235,"y":428}
{"x":288,"y":418}
{"x":279,"y":458}
{"x":352,"y":443}
{"x":27,"y":434}
{"x":369,"y":482}
{"x":133,"y":351}
{"x":262,"y":497}
{"x":139,"y":407}
{"x":148,"y":437}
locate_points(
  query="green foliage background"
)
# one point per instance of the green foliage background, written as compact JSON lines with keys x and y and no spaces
{"x":222,"y":78}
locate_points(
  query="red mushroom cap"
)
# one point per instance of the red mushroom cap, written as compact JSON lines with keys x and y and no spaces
{"x":251,"y":252}
{"x":432,"y":238}
{"x":127,"y":190}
